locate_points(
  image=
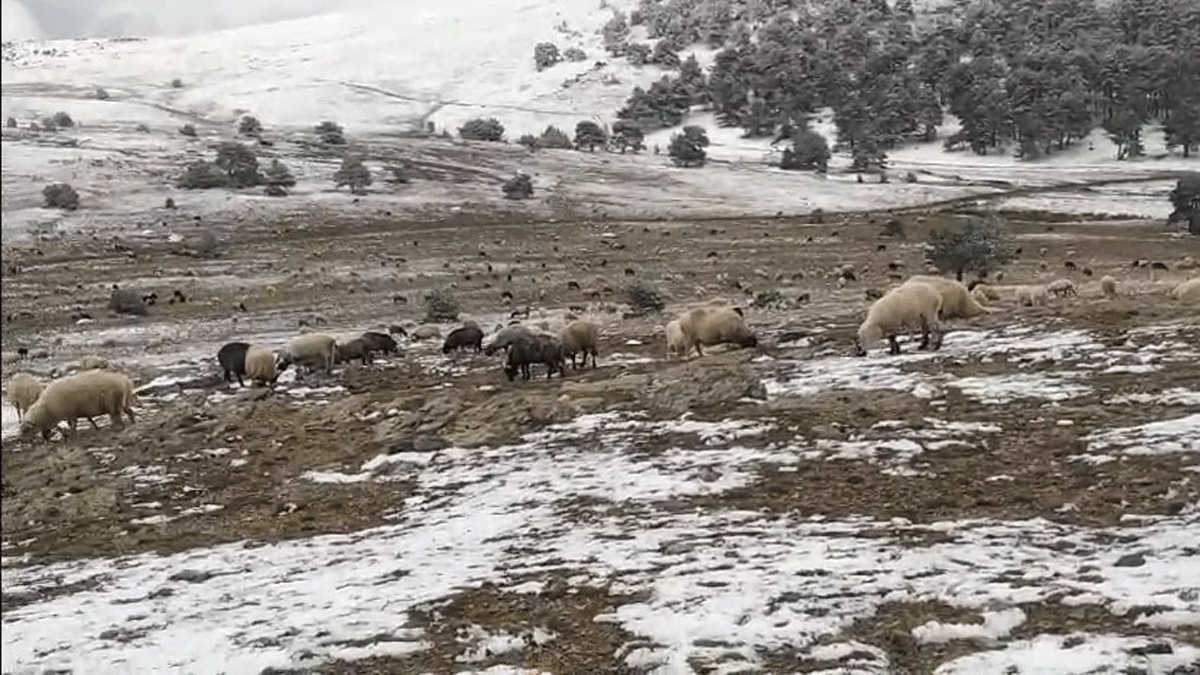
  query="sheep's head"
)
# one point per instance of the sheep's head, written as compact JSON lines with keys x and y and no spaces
{"x":748,"y":341}
{"x":858,"y":349}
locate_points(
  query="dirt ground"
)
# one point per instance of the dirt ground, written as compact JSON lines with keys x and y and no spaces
{"x":355,"y":273}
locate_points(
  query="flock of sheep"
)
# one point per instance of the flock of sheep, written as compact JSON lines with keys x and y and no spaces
{"x":920,"y":304}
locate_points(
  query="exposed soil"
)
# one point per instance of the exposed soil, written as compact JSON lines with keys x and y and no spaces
{"x":112,"y":493}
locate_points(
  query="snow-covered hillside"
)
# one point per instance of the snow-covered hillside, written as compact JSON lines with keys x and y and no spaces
{"x":378,"y":67}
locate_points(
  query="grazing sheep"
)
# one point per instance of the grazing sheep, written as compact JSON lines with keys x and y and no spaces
{"x":908,"y":306}
{"x":425,"y":333}
{"x":979,"y":295}
{"x":676,"y":343}
{"x":23,"y":390}
{"x":987,"y":292}
{"x":525,"y":351}
{"x":380,"y":342}
{"x":506,"y":337}
{"x":580,"y":337}
{"x":313,"y":350}
{"x":86,"y":395}
{"x":261,"y":365}
{"x":232,"y":358}
{"x":709,"y":326}
{"x":957,"y":301}
{"x":1061,"y":288}
{"x":93,"y":362}
{"x":1028,"y":296}
{"x":1188,"y":292}
{"x":354,"y":349}
{"x":1108,"y":285}
{"x":463,"y":337}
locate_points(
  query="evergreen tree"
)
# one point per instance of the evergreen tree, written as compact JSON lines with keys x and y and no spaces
{"x":353,"y":173}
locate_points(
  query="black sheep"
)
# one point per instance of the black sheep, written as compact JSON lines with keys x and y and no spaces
{"x":467,"y":336}
{"x":232,"y":358}
{"x":380,"y":342}
{"x":354,"y":349}
{"x":523,"y":352}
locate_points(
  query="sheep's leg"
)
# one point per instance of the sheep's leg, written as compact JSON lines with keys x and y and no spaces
{"x":115,"y":419}
{"x":129,"y":411}
{"x":893,"y":346}
{"x":698,"y":350}
{"x":94,"y":425}
{"x":937,"y":338}
{"x":228,"y":378}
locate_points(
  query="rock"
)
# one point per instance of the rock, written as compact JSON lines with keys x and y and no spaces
{"x":1130,"y":560}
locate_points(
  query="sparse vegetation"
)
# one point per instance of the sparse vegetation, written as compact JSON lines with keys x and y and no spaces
{"x":177,"y":83}
{"x":589,"y":135}
{"x":980,"y":246}
{"x":188,"y":130}
{"x":331,"y":133}
{"x":627,"y":136}
{"x":770,"y":299}
{"x":250,"y":126}
{"x":644,"y":297}
{"x":545,"y":55}
{"x":688,"y":148}
{"x":353,"y":174}
{"x":440,"y":306}
{"x":278,"y":179}
{"x":239,"y":163}
{"x":11,"y":123}
{"x":482,"y":129}
{"x":519,"y":186}
{"x":101,"y":94}
{"x":637,"y":53}
{"x":555,"y":139}
{"x":529,"y":140}
{"x":575,"y":54}
{"x":235,"y":166}
{"x":60,"y":196}
{"x":808,"y":152}
{"x":59,"y":120}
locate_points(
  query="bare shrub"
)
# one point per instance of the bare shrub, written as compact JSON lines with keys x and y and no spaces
{"x":60,"y":196}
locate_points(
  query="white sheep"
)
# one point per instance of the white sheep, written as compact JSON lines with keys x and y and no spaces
{"x":1061,"y":288}
{"x":1188,"y":292}
{"x":580,"y":337}
{"x":261,"y":365}
{"x":23,"y":390}
{"x":1028,"y":296}
{"x":1109,"y":286}
{"x":676,"y":343}
{"x":957,"y":301}
{"x":313,"y":350}
{"x":93,"y":362}
{"x":908,"y":306}
{"x":979,"y":295}
{"x":87,"y":395}
{"x":706,"y":326}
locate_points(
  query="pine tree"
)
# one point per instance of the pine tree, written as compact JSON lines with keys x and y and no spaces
{"x":352,"y":173}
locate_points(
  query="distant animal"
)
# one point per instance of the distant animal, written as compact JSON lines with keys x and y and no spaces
{"x":1188,"y":292}
{"x":381,"y":342}
{"x":1061,"y":288}
{"x":526,"y":351}
{"x":312,"y":350}
{"x":506,"y":336}
{"x":232,"y":357}
{"x":353,"y":349}
{"x":707,"y":326}
{"x":580,"y":337}
{"x":957,"y":301}
{"x":396,"y":330}
{"x":1069,"y":265}
{"x":1109,"y":286}
{"x":262,"y":365}
{"x":1028,"y":296}
{"x":23,"y":390}
{"x":911,"y":305}
{"x":462,"y":338}
{"x":93,"y":362}
{"x":87,"y":394}
{"x":676,"y":342}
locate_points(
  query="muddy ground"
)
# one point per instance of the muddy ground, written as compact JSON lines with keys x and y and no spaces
{"x":92,"y":496}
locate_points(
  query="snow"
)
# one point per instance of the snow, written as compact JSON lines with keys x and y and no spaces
{"x":734,"y":578}
{"x":1076,"y":654}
